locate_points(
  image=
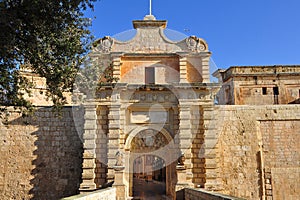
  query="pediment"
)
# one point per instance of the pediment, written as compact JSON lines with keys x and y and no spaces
{"x":150,"y":38}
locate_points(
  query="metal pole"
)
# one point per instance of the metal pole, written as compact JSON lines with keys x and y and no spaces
{"x":150,"y":9}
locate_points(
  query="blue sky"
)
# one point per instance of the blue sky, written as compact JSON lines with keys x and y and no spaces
{"x":238,"y":32}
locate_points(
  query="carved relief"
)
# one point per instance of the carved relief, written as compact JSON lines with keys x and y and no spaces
{"x":192,"y":43}
{"x":195,"y":44}
{"x":181,"y":160}
{"x":146,"y":140}
{"x":105,"y":44}
{"x":119,"y":158}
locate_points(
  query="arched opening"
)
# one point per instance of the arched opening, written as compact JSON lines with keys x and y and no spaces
{"x":149,"y":177}
{"x":151,"y":169}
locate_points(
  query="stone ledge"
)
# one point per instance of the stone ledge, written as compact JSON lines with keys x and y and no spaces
{"x":108,"y":193}
{"x":201,"y":194}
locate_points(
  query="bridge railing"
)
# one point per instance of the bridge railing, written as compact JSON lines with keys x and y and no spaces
{"x":107,"y":194}
{"x":201,"y":194}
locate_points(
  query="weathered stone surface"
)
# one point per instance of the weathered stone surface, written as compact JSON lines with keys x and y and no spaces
{"x":245,"y":131}
{"x":259,"y":85}
{"x":40,"y":156}
{"x":161,"y":114}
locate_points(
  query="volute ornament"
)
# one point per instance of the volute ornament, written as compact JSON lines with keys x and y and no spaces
{"x":195,"y":44}
{"x":105,"y":44}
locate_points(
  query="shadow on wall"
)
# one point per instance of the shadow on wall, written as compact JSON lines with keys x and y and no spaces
{"x":53,"y":154}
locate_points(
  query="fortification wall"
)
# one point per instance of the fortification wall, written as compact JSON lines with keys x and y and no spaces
{"x":41,"y":155}
{"x":258,"y":151}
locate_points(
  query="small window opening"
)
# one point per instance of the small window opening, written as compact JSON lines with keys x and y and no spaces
{"x":264,"y":90}
{"x":149,"y":75}
{"x":275,"y":91}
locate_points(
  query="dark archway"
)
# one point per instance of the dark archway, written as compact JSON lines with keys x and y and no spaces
{"x":149,"y":177}
{"x":151,"y":169}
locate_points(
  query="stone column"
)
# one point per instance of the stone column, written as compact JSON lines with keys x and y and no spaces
{"x":116,"y":62}
{"x":213,"y":181}
{"x":113,"y":139}
{"x":89,"y":145}
{"x":183,"y":67}
{"x":184,"y":169}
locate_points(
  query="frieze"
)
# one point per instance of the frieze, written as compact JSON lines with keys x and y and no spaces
{"x":154,"y":97}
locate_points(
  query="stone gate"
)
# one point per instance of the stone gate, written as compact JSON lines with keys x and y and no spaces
{"x":160,"y":109}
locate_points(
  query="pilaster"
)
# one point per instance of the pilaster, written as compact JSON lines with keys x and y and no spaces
{"x":184,"y":167}
{"x":205,"y":69}
{"x":116,"y":62}
{"x":212,"y":178}
{"x":89,"y":145}
{"x":113,"y":139}
{"x":183,"y":67}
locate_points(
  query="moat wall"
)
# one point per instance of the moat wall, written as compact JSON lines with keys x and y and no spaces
{"x":257,"y":153}
{"x":41,"y":156}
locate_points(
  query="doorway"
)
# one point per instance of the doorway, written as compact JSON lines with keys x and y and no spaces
{"x":149,"y":177}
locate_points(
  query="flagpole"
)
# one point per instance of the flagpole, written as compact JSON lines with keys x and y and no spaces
{"x":150,"y":9}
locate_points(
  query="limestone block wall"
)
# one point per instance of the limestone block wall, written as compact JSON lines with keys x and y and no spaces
{"x":264,"y":85}
{"x":197,"y":147}
{"x":249,"y":90}
{"x":38,"y":91}
{"x":200,"y":194}
{"x":281,"y":157}
{"x":194,"y":70}
{"x":258,"y":146}
{"x":133,"y":69}
{"x":41,"y":155}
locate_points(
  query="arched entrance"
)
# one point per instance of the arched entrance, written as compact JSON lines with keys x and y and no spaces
{"x":151,"y":163}
{"x":149,"y":177}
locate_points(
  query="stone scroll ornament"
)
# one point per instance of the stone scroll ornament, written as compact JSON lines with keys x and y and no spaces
{"x":195,"y":44}
{"x":104,"y":45}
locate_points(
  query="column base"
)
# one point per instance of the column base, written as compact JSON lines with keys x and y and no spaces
{"x":87,"y":187}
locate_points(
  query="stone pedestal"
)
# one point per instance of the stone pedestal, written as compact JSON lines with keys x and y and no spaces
{"x":119,"y":183}
{"x":182,"y":177}
{"x":181,"y":181}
